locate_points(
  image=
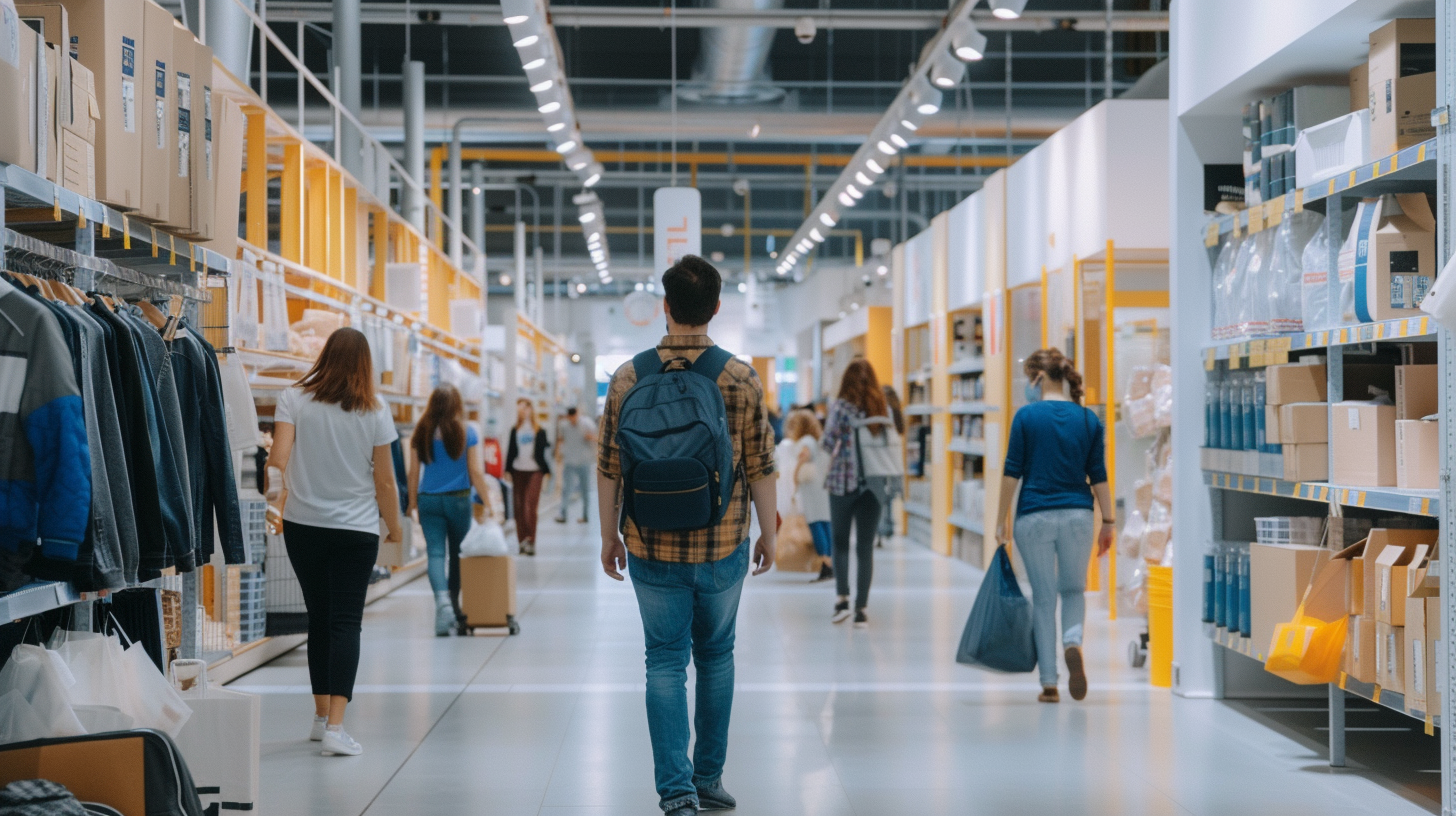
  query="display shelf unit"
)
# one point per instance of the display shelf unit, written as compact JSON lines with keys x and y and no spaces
{"x":969,"y":447}
{"x":969,"y":365}
{"x":967,"y":408}
{"x":920,"y":509}
{"x":38,"y":598}
{"x":1218,"y":71}
{"x":864,"y":332}
{"x":970,"y":525}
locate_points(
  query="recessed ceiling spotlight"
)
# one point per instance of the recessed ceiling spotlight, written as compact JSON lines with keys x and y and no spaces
{"x":566,"y":147}
{"x":816,"y":235}
{"x":587,"y":217}
{"x":544,"y":85}
{"x":550,"y":107}
{"x":887,"y":148}
{"x":534,"y":64}
{"x":555,"y":126}
{"x":853,"y":192}
{"x":864,"y":179}
{"x":909,"y":125}
{"x":899,"y":141}
{"x":874,"y":167}
{"x":527,"y":41}
{"x":846,"y":200}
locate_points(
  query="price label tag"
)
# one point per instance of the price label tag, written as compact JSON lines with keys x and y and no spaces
{"x":1414,"y":506}
{"x":1299,"y":200}
{"x":1209,"y":356}
{"x":1256,"y":219}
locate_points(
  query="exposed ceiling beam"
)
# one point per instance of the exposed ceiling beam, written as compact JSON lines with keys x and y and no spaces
{"x":469,"y":14}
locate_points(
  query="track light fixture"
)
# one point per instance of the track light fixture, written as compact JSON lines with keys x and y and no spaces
{"x":970,"y":45}
{"x":1007,"y":9}
{"x":948,"y":70}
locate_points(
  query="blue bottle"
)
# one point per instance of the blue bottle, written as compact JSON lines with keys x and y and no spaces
{"x":1231,"y":586}
{"x":1233,"y":412}
{"x":1220,"y":589}
{"x":1246,"y":404}
{"x":1208,"y":569}
{"x":1246,"y":625}
{"x":1210,"y":413}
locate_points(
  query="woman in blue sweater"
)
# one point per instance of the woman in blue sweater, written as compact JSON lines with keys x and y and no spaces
{"x":1055,"y":457}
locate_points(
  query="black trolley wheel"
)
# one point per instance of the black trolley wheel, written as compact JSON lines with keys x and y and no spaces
{"x":513,"y":625}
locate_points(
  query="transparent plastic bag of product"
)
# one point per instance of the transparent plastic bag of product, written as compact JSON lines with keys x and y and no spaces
{"x":1223,"y":269}
{"x":1237,"y":283}
{"x":1315,"y":283}
{"x":1254,"y":299}
{"x":1286,"y":270}
{"x":1368,"y":213}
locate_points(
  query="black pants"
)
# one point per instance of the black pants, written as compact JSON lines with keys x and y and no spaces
{"x":333,"y":568}
{"x":862,"y":510}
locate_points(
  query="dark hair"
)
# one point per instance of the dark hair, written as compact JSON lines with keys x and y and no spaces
{"x":343,"y":375}
{"x":861,"y":388}
{"x":571,"y":411}
{"x":692,"y":288}
{"x":445,"y":412}
{"x":897,"y":413}
{"x":1054,"y":365}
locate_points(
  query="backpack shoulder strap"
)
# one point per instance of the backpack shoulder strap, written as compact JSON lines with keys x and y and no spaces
{"x":712,"y":362}
{"x":647,"y":364}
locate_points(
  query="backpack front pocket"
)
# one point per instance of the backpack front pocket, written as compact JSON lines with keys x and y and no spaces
{"x":671,"y":494}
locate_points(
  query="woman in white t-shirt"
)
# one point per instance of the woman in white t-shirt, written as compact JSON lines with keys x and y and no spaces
{"x":332,"y":472}
{"x":810,"y":465}
{"x":526,"y":462}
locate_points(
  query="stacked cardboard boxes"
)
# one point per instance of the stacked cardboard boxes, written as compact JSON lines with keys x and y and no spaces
{"x":1380,"y":577}
{"x":1402,"y":82}
{"x":1417,"y":438}
{"x":1295,"y":410}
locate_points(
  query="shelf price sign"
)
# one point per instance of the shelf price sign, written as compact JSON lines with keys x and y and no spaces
{"x":677,"y":219}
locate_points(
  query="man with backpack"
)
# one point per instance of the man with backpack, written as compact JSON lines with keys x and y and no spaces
{"x":685,"y":443}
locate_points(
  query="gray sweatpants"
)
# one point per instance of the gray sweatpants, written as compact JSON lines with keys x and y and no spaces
{"x":1055,"y":546}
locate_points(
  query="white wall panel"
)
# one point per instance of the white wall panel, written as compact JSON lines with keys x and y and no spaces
{"x":919,"y":277}
{"x":966,"y":252}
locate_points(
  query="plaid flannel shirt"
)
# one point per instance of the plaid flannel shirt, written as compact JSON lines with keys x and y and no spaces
{"x":843,"y":478}
{"x":753,"y":456}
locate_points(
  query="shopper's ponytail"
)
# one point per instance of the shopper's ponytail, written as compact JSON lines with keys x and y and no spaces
{"x":1055,"y":367}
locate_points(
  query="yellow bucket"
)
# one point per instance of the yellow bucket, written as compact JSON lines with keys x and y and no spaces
{"x":1160,"y":626}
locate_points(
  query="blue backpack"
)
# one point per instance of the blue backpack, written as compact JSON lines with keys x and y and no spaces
{"x":676,"y":450}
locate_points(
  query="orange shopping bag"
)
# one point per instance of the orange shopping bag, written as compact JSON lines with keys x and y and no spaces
{"x":1307,"y":650}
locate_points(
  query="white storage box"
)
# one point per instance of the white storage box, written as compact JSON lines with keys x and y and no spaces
{"x":1326,"y":150}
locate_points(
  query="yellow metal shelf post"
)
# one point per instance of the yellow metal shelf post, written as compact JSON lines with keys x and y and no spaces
{"x":1110,"y":442}
{"x":291,"y":205}
{"x":255,"y":181}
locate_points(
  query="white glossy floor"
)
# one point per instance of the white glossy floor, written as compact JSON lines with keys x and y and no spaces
{"x":827,"y":720}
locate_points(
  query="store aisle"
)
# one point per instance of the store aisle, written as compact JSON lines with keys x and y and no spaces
{"x":827,"y":720}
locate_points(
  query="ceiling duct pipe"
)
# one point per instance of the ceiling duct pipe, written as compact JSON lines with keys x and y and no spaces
{"x":731,"y":67}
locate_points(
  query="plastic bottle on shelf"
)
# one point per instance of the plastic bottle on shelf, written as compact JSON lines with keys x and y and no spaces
{"x":1246,"y":620}
{"x":1246,"y":404}
{"x":1210,"y":557}
{"x":1231,"y":588}
{"x":1220,"y":585}
{"x":1211,"y":436}
{"x":1233,"y":413}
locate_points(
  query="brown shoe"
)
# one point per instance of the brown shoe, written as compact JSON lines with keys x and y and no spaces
{"x":1077,"y":675}
{"x":1049,"y":694}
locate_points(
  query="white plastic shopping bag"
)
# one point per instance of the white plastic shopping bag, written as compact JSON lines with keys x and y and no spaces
{"x":222,"y":740}
{"x":484,"y":538}
{"x":124,"y":679}
{"x":35,"y":698}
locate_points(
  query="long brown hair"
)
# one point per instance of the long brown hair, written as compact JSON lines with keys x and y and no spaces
{"x":535,"y":423}
{"x":1054,"y":365}
{"x":343,"y":375}
{"x":897,"y":412}
{"x":445,"y":412}
{"x":801,"y":423}
{"x":861,"y":388}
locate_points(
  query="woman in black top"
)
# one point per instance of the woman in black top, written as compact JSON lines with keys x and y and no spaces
{"x":526,"y":462}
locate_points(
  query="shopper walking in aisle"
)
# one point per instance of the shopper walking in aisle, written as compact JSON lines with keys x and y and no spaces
{"x":887,"y":490}
{"x":811,"y":464}
{"x":445,"y":464}
{"x":1054,"y":454}
{"x":526,"y":462}
{"x":687,"y":553}
{"x":854,"y":505}
{"x":331,"y":470}
{"x":576,"y":450}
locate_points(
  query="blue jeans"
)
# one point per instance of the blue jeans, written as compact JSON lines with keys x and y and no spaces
{"x":446,"y":520}
{"x":1055,"y":545}
{"x":688,"y":610}
{"x":575,"y":480}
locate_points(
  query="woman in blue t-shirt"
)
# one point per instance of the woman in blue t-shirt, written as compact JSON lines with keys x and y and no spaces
{"x":1055,"y":456}
{"x":444,"y":465}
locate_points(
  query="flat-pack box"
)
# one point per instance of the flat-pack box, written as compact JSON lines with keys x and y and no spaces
{"x":1392,"y":568}
{"x":153,"y":88}
{"x":1402,"y":72}
{"x":1272,"y":431}
{"x":178,"y":170}
{"x":1417,"y":454}
{"x":1415,"y":391}
{"x":1390,"y":657}
{"x":77,"y":128}
{"x":1422,"y":631}
{"x":1295,"y":382}
{"x":51,"y":22}
{"x":22,"y":68}
{"x":1388,"y":259}
{"x":1364,"y":585}
{"x":1358,"y":660}
{"x":488,"y":589}
{"x":203,"y":155}
{"x":229,"y":128}
{"x":1360,"y":89}
{"x":1302,"y":423}
{"x":1363,"y":437}
{"x":1306,"y":463}
{"x":1279,"y":574}
{"x":107,"y":37}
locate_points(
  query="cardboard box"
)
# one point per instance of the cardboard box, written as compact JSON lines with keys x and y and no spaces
{"x":1363,"y":437}
{"x":1360,"y":88}
{"x":1391,"y":568}
{"x":107,"y":35}
{"x":178,"y":170}
{"x":1306,"y":463}
{"x":1303,"y":423}
{"x":52,"y":22}
{"x":1402,"y":73}
{"x":1272,"y":430}
{"x":204,"y":159}
{"x":155,"y":101}
{"x":1359,"y":658}
{"x":1278,"y":578}
{"x":1285,"y":384}
{"x":228,"y":128}
{"x":1364,"y":594}
{"x":488,"y":589}
{"x":1390,"y":657}
{"x":1417,"y":454}
{"x":1415,"y":391}
{"x":47,"y":155}
{"x":1422,"y":631}
{"x":77,"y":124}
{"x":21,"y":68}
{"x":111,"y":771}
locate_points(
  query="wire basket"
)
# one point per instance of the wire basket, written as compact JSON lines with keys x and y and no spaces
{"x":1300,"y":530}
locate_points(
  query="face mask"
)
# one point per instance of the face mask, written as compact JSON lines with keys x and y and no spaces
{"x":1033,"y":391}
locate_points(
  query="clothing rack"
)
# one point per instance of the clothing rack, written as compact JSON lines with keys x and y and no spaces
{"x":89,"y":273}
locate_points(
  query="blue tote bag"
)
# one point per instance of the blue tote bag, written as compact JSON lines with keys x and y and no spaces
{"x":998,"y":634}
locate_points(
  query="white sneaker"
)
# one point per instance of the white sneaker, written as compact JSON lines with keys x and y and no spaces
{"x":338,"y":741}
{"x":319,"y":725}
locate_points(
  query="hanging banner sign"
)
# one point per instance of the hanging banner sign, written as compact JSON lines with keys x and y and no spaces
{"x":677,"y":219}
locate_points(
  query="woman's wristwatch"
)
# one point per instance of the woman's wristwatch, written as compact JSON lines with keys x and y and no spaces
{"x":1109,"y":521}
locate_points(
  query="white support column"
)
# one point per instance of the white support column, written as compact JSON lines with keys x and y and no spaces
{"x":414,"y":142}
{"x":348,"y":63}
{"x":477,"y":216}
{"x":228,"y":31}
{"x":519,"y":280}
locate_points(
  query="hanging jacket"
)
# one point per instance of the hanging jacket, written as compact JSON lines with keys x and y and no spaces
{"x":209,"y":453}
{"x":172,"y":462}
{"x":45,"y":465}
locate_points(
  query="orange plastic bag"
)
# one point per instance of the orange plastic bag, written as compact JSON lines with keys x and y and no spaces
{"x":1307,"y":649}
